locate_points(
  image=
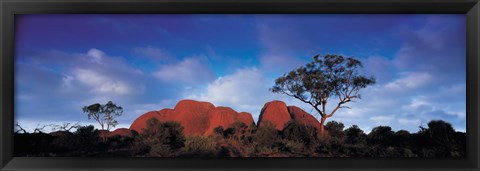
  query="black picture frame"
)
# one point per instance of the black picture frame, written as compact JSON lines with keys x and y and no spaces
{"x":9,"y":8}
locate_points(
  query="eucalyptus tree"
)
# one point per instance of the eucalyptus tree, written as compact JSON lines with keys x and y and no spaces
{"x":323,"y":80}
{"x":104,"y":114}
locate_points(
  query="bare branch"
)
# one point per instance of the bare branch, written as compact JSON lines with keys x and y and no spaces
{"x":19,"y":128}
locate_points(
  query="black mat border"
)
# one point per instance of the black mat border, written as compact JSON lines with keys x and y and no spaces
{"x":8,"y":9}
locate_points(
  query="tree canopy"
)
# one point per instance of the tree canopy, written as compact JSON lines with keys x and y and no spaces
{"x":325,"y":77}
{"x":104,"y":114}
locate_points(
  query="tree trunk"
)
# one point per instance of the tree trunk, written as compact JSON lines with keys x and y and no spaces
{"x":322,"y":128}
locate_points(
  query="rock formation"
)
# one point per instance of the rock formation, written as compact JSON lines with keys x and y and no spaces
{"x":197,"y":118}
{"x":303,"y":117}
{"x":141,"y":122}
{"x":225,"y":116}
{"x":201,"y":118}
{"x":123,"y":132}
{"x":275,"y":112}
{"x":193,"y":116}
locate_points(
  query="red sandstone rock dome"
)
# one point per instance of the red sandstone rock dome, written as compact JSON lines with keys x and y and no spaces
{"x":197,"y":118}
{"x":201,"y":118}
{"x":279,"y":114}
{"x":123,"y":132}
{"x":193,"y":115}
{"x":225,"y":116}
{"x":303,"y":117}
{"x":141,"y":122}
{"x":246,"y":118}
{"x":275,"y":112}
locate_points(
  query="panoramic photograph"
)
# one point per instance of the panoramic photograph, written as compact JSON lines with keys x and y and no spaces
{"x":240,"y":85}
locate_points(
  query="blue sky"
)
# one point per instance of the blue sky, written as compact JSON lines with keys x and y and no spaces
{"x":150,"y":62}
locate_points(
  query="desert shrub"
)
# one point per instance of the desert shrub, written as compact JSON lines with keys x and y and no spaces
{"x":381,"y":135}
{"x":295,"y":131}
{"x":236,"y":140}
{"x":394,"y":152}
{"x":159,"y":139}
{"x":294,"y":146}
{"x":199,"y":146}
{"x":335,"y":129}
{"x":402,"y":138}
{"x":356,"y":151}
{"x":355,"y":135}
{"x":218,"y":130}
{"x":330,"y":148}
{"x":460,"y":144}
{"x":118,"y":141}
{"x":32,"y":144}
{"x":64,"y":143}
{"x":441,"y":132}
{"x":227,"y":133}
{"x":439,"y":140}
{"x":241,"y":131}
{"x":237,"y":130}
{"x":266,"y":138}
{"x":86,"y":139}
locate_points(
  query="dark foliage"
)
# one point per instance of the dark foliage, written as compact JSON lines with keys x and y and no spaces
{"x":301,"y":133}
{"x":32,"y":144}
{"x":355,"y":136}
{"x":381,"y":135}
{"x":335,"y":131}
{"x":159,"y":139}
{"x":166,"y":139}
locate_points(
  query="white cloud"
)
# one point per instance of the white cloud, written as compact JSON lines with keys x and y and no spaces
{"x":245,"y":90}
{"x":239,"y":88}
{"x":191,"y":71}
{"x":100,"y":83}
{"x":410,"y":80}
{"x":417,"y":104}
{"x":381,"y":120}
{"x":100,"y":74}
{"x":96,"y":55}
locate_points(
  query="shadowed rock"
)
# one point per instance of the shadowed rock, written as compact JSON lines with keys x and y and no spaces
{"x":141,"y":122}
{"x":303,"y":117}
{"x":123,"y":132}
{"x":225,"y":116}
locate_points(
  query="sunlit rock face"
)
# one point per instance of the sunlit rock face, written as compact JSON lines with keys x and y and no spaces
{"x":276,"y":112}
{"x":197,"y":118}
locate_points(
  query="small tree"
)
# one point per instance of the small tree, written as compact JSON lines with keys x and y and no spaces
{"x":298,"y":132}
{"x":104,"y":114}
{"x":266,"y":136}
{"x":441,"y":132}
{"x":159,"y":139}
{"x":335,"y":129}
{"x":326,"y":76}
{"x":355,"y":135}
{"x":381,"y":135}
